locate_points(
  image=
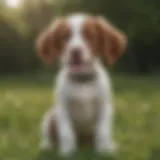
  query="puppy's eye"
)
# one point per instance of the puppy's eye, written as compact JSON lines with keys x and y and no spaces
{"x":65,"y":37}
{"x":88,"y":35}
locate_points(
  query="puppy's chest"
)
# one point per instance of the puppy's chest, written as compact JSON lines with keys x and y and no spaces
{"x":84,"y":105}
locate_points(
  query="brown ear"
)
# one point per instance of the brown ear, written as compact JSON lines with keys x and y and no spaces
{"x":112,"y":42}
{"x":46,"y":44}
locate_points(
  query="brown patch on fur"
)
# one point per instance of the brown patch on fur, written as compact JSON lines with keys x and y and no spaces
{"x":51,"y":42}
{"x":90,"y":35}
{"x":104,"y":38}
{"x":53,"y":134}
{"x":112,"y":42}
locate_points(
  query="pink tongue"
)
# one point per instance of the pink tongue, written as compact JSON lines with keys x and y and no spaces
{"x":77,"y":67}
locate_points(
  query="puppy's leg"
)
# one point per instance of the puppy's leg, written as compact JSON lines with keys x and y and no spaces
{"x":48,"y":129}
{"x":67,"y":137}
{"x":104,"y":141}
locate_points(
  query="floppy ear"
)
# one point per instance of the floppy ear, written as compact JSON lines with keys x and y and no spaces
{"x":112,"y":42}
{"x":47,"y":44}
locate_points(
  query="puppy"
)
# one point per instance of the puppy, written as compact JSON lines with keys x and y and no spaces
{"x":83,"y":113}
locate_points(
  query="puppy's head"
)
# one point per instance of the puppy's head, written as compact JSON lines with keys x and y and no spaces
{"x":78,"y":40}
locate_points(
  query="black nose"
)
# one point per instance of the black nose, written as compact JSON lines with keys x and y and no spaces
{"x":76,"y":53}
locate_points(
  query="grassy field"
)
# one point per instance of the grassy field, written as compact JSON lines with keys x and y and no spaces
{"x":23,"y":101}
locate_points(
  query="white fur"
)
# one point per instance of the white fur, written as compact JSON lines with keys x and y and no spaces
{"x":76,"y":40}
{"x":83,"y":96}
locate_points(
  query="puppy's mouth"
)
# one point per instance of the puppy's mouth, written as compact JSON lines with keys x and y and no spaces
{"x":78,"y":65}
{"x":81,"y":71}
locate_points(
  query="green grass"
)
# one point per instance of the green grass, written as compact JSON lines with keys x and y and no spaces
{"x":23,"y":101}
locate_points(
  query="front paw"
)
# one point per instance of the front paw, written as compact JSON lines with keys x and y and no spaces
{"x":67,"y":146}
{"x":106,"y":145}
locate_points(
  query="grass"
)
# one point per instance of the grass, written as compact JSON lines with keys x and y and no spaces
{"x":23,"y":101}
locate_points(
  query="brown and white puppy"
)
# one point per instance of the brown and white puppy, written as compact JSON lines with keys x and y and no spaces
{"x":83,"y":109}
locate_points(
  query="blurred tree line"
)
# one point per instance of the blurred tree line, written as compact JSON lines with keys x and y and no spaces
{"x":140,"y":19}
